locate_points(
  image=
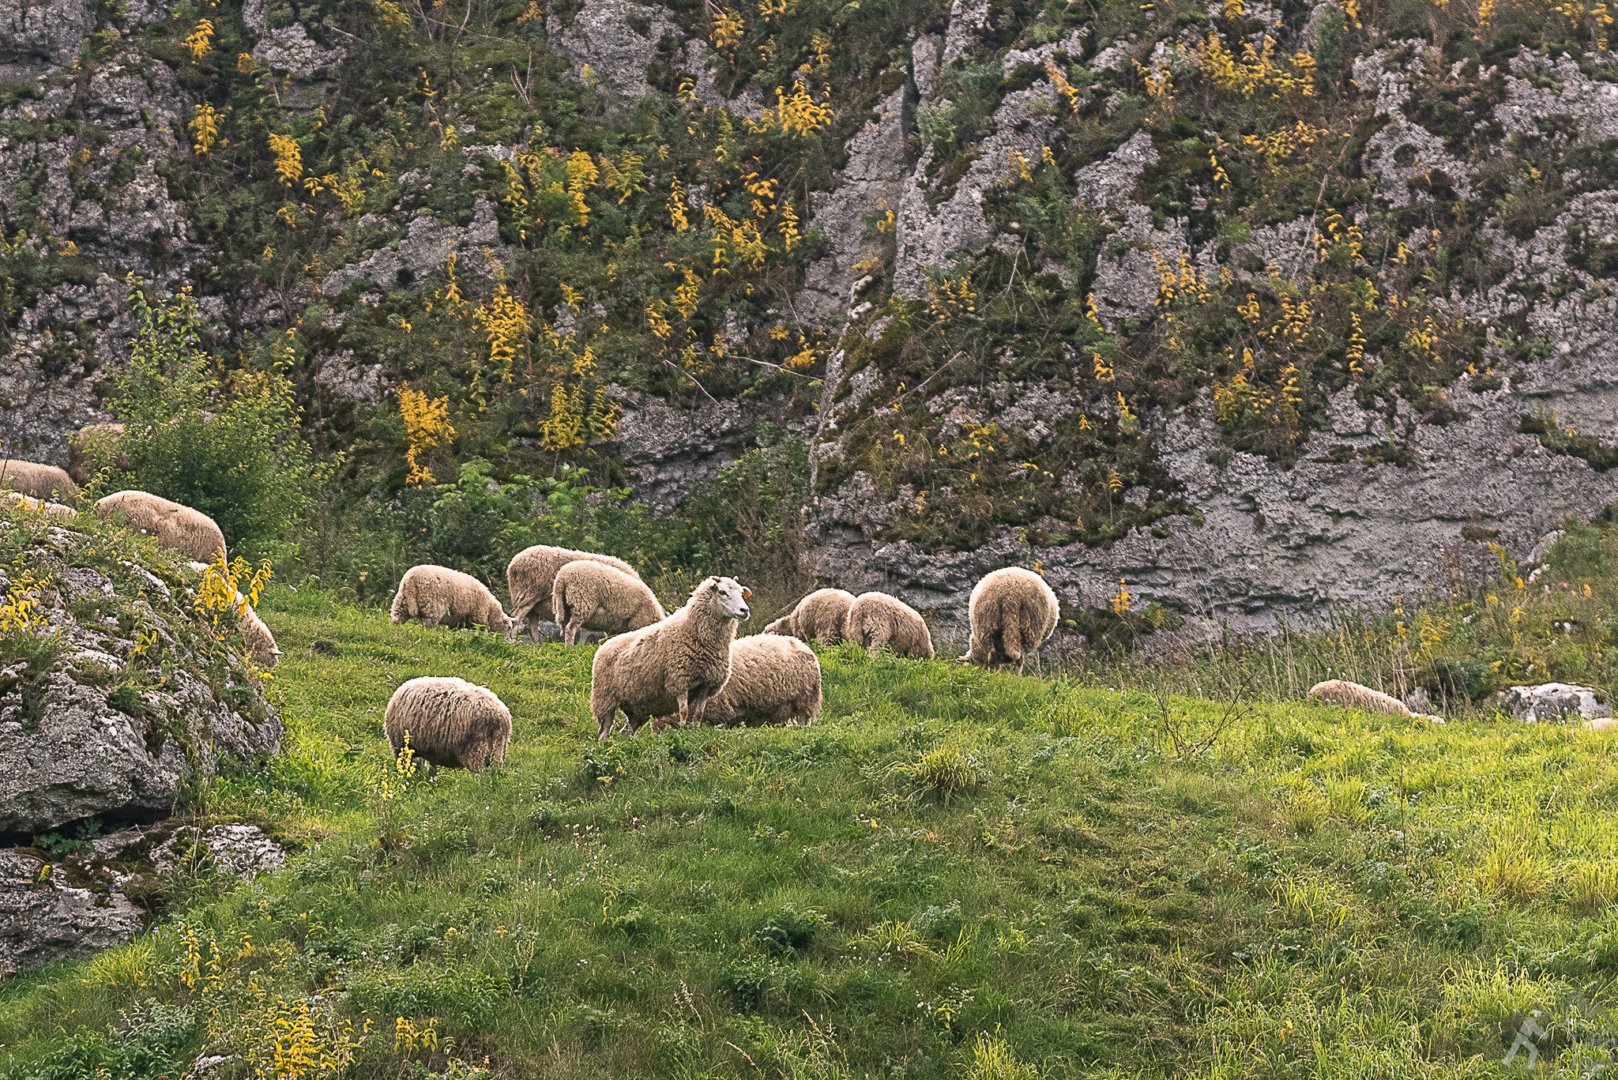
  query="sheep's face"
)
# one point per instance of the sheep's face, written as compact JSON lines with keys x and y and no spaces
{"x":731,"y":596}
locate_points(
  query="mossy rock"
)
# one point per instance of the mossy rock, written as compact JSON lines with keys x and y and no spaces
{"x":114,"y":692}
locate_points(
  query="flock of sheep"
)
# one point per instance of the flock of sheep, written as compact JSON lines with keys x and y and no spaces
{"x":657,"y":667}
{"x":666,"y":668}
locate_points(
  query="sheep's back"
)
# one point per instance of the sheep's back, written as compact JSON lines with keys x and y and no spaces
{"x":448,"y":719}
{"x":769,"y":677}
{"x":631,"y":671}
{"x":36,"y":479}
{"x":820,"y":615}
{"x":531,"y":573}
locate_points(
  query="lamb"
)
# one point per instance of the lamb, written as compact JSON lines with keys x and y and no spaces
{"x":1013,"y":612}
{"x":590,"y":595}
{"x":89,"y":443}
{"x":773,"y":680}
{"x":39,"y":506}
{"x":40,"y":481}
{"x":531,"y":577}
{"x":674,"y":666}
{"x":879,"y":621}
{"x":189,"y":532}
{"x":448,"y":722}
{"x":1351,"y":695}
{"x":818,"y":617}
{"x":261,"y":644}
{"x":437,"y":594}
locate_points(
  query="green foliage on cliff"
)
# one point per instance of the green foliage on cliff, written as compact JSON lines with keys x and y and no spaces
{"x":1252,"y":210}
{"x":226,"y":443}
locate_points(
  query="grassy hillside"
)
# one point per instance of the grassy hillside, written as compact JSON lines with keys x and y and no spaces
{"x":956,"y":873}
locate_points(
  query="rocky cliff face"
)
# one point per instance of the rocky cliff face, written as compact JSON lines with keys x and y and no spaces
{"x":1256,"y":307}
{"x":114,"y":694}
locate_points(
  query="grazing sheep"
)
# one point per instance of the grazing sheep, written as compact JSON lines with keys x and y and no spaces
{"x":437,"y":594}
{"x":1013,"y":612}
{"x":89,"y":443}
{"x":590,"y":595}
{"x":818,"y":617}
{"x":673,"y":666}
{"x":40,"y":481}
{"x":38,"y":506}
{"x":531,"y":577}
{"x":179,"y":528}
{"x":773,"y":680}
{"x":261,"y":644}
{"x":879,"y":621}
{"x":449,"y":722}
{"x":1351,"y":695}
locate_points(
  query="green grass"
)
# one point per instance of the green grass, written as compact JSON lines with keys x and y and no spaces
{"x":955,"y":873}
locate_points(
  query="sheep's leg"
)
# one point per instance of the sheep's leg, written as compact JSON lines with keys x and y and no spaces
{"x":570,"y":633}
{"x":1014,"y":654}
{"x":604,"y":721}
{"x":684,"y":700}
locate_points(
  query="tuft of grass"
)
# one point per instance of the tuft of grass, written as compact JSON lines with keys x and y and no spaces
{"x":1593,"y":885}
{"x":992,"y":1059}
{"x":1513,"y":871}
{"x":944,"y":772}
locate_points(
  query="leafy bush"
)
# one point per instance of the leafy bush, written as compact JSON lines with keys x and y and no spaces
{"x":747,"y":522}
{"x":226,"y":442}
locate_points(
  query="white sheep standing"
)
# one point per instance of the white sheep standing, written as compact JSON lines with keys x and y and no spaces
{"x":1351,"y":695}
{"x":177,"y":527}
{"x":817,"y":617}
{"x":773,"y":680}
{"x":448,"y":722}
{"x":879,"y":621}
{"x":591,"y":595}
{"x":437,"y":594}
{"x":531,"y":578}
{"x":1013,"y":612}
{"x":671,"y":667}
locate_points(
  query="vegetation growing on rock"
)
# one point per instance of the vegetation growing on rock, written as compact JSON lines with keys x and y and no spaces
{"x":121,"y":680}
{"x":513,"y":241}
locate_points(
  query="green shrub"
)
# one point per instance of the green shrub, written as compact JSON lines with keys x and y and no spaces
{"x":225,"y":441}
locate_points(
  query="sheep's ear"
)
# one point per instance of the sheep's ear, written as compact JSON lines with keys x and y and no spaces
{"x":747,"y":594}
